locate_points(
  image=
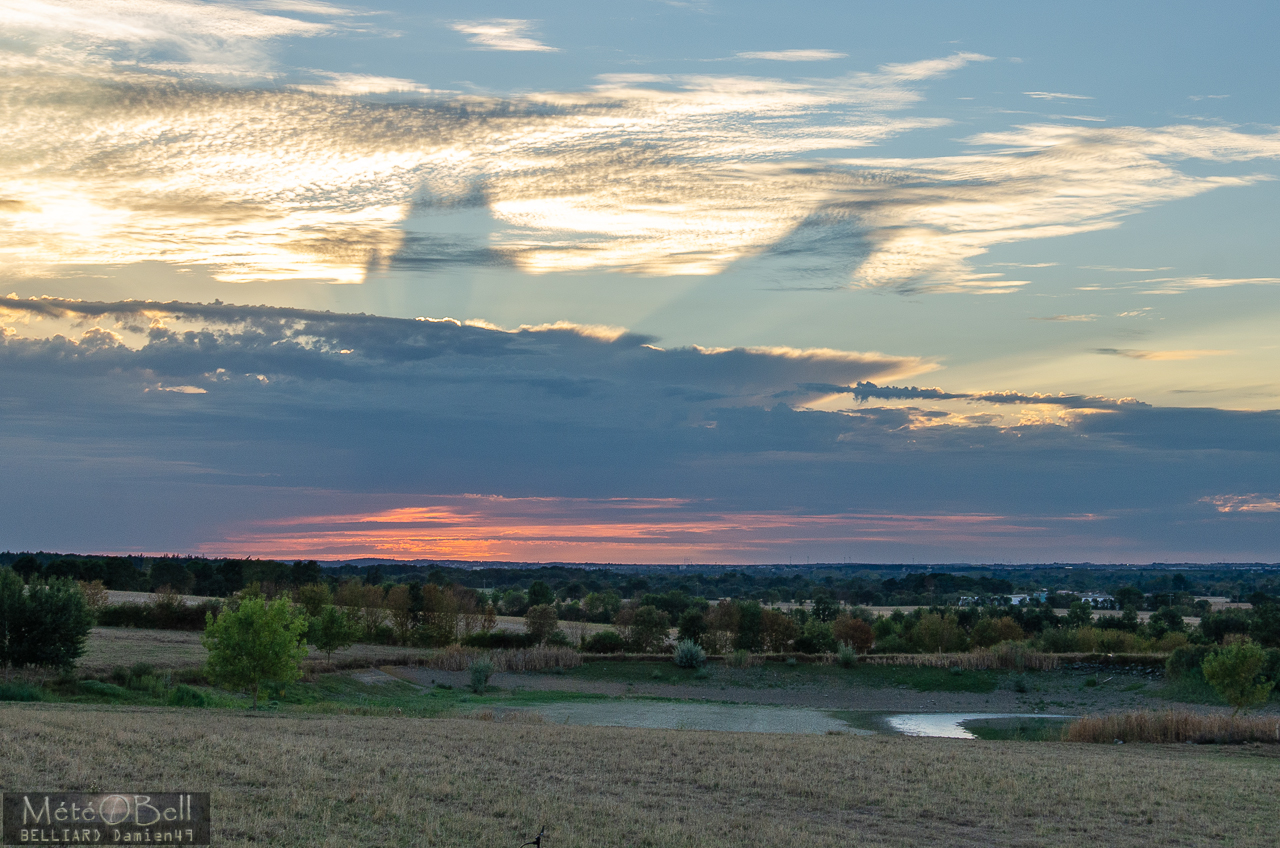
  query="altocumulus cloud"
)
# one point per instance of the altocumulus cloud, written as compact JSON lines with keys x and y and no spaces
{"x":642,"y":173}
{"x":217,"y":427}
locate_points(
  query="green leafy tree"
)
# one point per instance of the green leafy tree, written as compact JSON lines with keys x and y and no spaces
{"x":332,"y":631}
{"x":44,"y":624}
{"x":256,"y":641}
{"x":1236,"y":673}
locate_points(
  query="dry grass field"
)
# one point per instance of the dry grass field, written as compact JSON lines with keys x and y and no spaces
{"x":285,"y":780}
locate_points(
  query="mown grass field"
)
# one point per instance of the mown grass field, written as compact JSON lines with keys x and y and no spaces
{"x":288,"y":780}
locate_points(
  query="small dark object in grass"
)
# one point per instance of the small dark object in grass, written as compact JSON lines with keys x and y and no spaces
{"x":956,"y":671}
{"x":1091,"y":681}
{"x":1020,"y":683}
{"x":791,"y":661}
{"x":701,"y":674}
{"x":558,"y":670}
{"x":119,"y":676}
{"x":443,"y":686}
{"x":657,"y":675}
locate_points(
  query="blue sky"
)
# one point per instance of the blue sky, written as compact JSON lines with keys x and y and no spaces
{"x":641,"y":282}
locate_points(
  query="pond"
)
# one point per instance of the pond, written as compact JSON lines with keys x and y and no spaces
{"x":752,"y":718}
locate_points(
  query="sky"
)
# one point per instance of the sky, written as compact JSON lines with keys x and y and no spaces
{"x":641,"y":282}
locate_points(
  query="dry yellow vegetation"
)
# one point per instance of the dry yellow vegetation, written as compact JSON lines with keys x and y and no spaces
{"x":286,"y":780}
{"x":1174,"y":726}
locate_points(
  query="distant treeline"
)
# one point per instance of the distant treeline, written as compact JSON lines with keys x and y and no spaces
{"x":856,"y":585}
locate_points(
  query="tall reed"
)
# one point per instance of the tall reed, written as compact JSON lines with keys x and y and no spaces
{"x":1173,"y":726}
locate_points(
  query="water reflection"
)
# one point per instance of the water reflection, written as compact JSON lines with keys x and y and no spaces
{"x":948,"y":725}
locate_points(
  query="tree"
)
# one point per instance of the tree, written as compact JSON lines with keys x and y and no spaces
{"x":649,"y":629}
{"x":853,"y":632}
{"x":540,"y":593}
{"x":331,"y":631}
{"x":256,"y":641}
{"x":540,"y":622}
{"x":400,"y":609}
{"x":1080,"y":615}
{"x":778,"y":629}
{"x":825,"y":607}
{"x":314,"y":597}
{"x":1235,"y":672}
{"x":12,"y":615}
{"x":44,"y":624}
{"x":750,"y":623}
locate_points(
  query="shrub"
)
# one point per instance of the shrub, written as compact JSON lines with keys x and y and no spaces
{"x":847,"y":656}
{"x":1236,"y":673}
{"x":816,"y":638}
{"x":20,"y":692}
{"x":689,"y":654}
{"x":496,"y":640}
{"x":604,"y":642}
{"x":187,"y":696}
{"x":481,"y":670}
{"x":103,"y":690}
{"x":740,"y":658}
{"x":557,"y":639}
{"x":701,"y":674}
{"x":1185,"y":661}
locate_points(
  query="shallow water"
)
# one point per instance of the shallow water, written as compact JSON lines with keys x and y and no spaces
{"x":948,"y":725}
{"x":750,"y":718}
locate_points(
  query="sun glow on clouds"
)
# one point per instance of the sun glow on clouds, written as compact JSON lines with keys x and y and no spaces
{"x":609,"y":530}
{"x":643,"y":173}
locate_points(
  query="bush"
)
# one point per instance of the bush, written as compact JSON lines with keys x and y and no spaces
{"x":689,"y":654}
{"x":1236,"y":673}
{"x":158,"y":616}
{"x":20,"y":692}
{"x":1185,"y":661}
{"x":481,"y":670}
{"x":557,"y":639}
{"x":187,"y":696}
{"x":498,"y":640}
{"x":846,"y":655}
{"x":103,"y":690}
{"x":740,"y":658}
{"x":604,"y":642}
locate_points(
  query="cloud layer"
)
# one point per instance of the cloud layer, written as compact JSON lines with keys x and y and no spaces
{"x":280,"y":431}
{"x":643,"y":173}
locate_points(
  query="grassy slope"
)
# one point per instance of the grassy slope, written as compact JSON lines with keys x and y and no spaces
{"x":292,"y":781}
